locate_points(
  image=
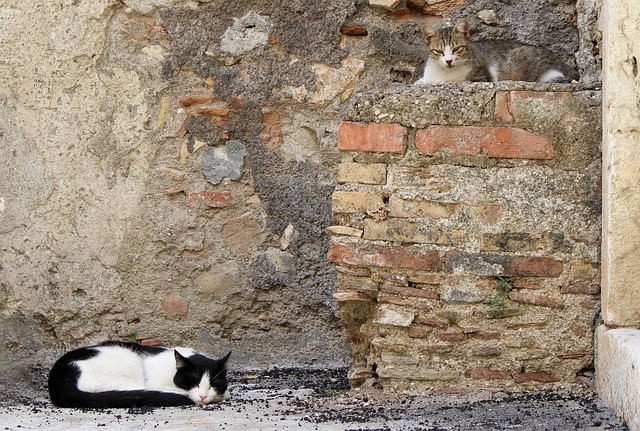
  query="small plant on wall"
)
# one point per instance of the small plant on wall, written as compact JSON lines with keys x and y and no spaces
{"x":504,"y":285}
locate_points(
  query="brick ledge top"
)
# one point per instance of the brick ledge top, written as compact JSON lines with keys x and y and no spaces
{"x":466,"y":103}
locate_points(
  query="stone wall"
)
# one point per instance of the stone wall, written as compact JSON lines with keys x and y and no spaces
{"x":169,"y":164}
{"x":467,"y":236}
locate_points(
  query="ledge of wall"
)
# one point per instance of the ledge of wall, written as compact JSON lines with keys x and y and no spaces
{"x":445,"y":191}
{"x":618,"y":372}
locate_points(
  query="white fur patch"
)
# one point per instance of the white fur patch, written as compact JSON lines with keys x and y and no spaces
{"x":126,"y":371}
{"x":117,"y":368}
{"x":552,"y":75}
{"x":436,"y":73}
{"x":493,"y":71}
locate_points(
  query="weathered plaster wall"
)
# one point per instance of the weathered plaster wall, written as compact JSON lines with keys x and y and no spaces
{"x":169,"y":164}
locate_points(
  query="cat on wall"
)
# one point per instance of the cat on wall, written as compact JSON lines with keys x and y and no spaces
{"x":122,"y":374}
{"x":453,"y":57}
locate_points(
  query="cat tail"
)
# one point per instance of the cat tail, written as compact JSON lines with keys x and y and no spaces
{"x":74,"y":397}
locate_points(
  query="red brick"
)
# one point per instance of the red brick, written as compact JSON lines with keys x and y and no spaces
{"x":451,"y":336}
{"x":410,"y":291}
{"x":211,"y":199}
{"x":543,"y":301}
{"x":235,"y":102}
{"x":356,"y":272}
{"x":574,"y":355}
{"x":372,"y":137}
{"x":419,"y":331}
{"x":528,"y":266}
{"x":581,"y":289}
{"x":214,"y":112}
{"x":534,"y":377}
{"x":352,"y":296}
{"x":175,"y":306}
{"x":400,"y":12}
{"x":441,"y":324}
{"x":502,"y":142}
{"x":384,"y":256}
{"x":151,"y":342}
{"x":271,"y":134}
{"x":197,"y":98}
{"x":353,"y":30}
{"x":486,"y":373}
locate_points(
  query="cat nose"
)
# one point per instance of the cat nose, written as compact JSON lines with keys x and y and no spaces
{"x":449,"y":62}
{"x":202,"y":397}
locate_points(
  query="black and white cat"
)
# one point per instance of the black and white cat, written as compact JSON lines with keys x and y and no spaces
{"x":121,"y":374}
{"x":453,"y":57}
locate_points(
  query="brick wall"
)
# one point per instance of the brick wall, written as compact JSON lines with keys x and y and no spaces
{"x":466,"y":236}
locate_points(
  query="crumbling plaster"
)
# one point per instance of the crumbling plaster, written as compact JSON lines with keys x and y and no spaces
{"x":105,"y":226}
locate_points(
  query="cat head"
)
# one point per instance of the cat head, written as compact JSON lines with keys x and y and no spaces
{"x":449,"y":47}
{"x":204,"y":379}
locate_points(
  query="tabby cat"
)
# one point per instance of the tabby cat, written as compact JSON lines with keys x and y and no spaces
{"x":453,"y":57}
{"x":122,"y":374}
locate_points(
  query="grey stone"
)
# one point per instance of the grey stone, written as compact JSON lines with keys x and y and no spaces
{"x":246,"y":33}
{"x":224,"y":162}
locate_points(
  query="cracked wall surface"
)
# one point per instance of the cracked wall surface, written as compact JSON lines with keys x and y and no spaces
{"x":169,"y":164}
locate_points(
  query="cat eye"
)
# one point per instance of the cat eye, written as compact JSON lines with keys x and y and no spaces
{"x":458,"y":49}
{"x":438,"y":51}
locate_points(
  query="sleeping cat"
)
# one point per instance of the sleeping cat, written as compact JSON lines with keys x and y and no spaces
{"x":453,"y":57}
{"x":122,"y":374}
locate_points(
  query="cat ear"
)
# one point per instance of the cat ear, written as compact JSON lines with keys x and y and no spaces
{"x":223,"y":361}
{"x":462,"y":26}
{"x":181,"y":361}
{"x":428,"y":33}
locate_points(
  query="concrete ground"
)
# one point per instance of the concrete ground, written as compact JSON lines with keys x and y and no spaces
{"x":259,"y":404}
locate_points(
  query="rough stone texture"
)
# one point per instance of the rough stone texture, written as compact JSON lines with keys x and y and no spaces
{"x":621,"y":104}
{"x":618,"y":372}
{"x":618,"y":350}
{"x":498,"y":184}
{"x":113,"y":119}
{"x":224,"y":162}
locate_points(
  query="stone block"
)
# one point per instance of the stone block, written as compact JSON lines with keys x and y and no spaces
{"x":509,"y":104}
{"x":387,"y":4}
{"x":486,"y":373}
{"x":409,"y":291}
{"x":388,"y":316}
{"x":485,"y":264}
{"x":362,"y":173}
{"x":515,"y":242}
{"x":540,"y":377}
{"x":404,"y":231}
{"x":399,"y":207}
{"x":356,"y":202}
